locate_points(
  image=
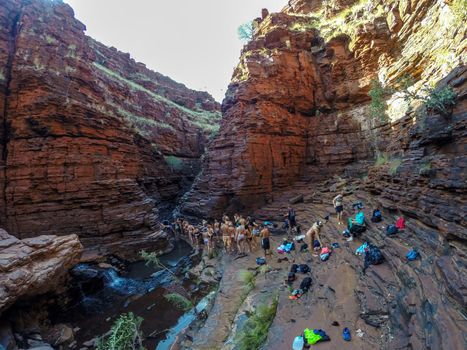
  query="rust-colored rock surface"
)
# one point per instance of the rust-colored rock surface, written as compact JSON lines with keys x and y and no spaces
{"x":296,"y":121}
{"x":93,"y":143}
{"x":34,"y":266}
{"x":298,"y":104}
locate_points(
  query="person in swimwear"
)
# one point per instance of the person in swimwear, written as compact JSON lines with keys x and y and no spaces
{"x":314,"y":234}
{"x":265,"y":244}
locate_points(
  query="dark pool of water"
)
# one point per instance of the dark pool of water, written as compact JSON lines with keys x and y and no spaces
{"x":101,"y":295}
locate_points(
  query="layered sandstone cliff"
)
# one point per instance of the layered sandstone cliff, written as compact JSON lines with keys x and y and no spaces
{"x":93,"y":143}
{"x":298,"y":104}
{"x":298,"y":112}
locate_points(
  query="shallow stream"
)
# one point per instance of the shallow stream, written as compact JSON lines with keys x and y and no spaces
{"x":99,"y":295}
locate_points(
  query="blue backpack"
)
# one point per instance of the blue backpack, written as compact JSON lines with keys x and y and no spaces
{"x":391,"y":230}
{"x":377,"y":217}
{"x":412,"y":255}
{"x":260,"y":261}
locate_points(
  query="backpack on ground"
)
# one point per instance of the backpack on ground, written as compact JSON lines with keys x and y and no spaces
{"x":412,"y":255}
{"x":377,"y":216}
{"x":260,"y":261}
{"x":373,"y":256}
{"x":303,"y":247}
{"x":391,"y":230}
{"x":294,"y":268}
{"x":400,"y":223}
{"x":303,"y":268}
{"x":291,"y":277}
{"x":305,"y":284}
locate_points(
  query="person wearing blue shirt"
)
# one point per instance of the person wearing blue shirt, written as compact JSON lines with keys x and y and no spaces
{"x":359,"y":221}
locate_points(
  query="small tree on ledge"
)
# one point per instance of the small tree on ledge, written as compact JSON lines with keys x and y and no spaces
{"x":245,"y":31}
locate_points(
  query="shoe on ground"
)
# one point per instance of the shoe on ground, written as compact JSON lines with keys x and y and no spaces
{"x":350,"y":239}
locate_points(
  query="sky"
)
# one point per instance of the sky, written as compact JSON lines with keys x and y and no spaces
{"x":194,"y":42}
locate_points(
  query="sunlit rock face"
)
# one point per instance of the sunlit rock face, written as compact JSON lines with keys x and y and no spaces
{"x":298,"y":103}
{"x":93,"y":143}
{"x":298,"y":109}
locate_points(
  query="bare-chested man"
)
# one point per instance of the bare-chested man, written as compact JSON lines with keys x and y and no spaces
{"x":313,"y":234}
{"x":264,"y":234}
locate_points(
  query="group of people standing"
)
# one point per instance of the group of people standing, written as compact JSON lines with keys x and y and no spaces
{"x":238,"y":234}
{"x":244,"y":235}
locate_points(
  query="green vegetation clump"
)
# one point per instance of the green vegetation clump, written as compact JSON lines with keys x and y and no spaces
{"x":179,"y":301}
{"x":153,"y":259}
{"x":125,"y":334}
{"x":459,"y":9}
{"x":441,"y":100}
{"x":174,"y":162}
{"x":205,"y":120}
{"x":378,"y":103}
{"x":346,"y":21}
{"x":245,"y":31}
{"x":425,"y":169}
{"x":247,"y":278}
{"x":394,"y":165}
{"x":435,"y":99}
{"x":381,"y":159}
{"x":255,"y":330}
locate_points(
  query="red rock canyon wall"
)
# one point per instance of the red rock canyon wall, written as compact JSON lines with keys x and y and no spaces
{"x":93,"y":142}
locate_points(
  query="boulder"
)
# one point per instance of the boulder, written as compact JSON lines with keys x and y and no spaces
{"x":34,"y":266}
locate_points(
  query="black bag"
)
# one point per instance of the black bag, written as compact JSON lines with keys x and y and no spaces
{"x":355,"y":230}
{"x":373,"y":256}
{"x":303,"y":268}
{"x":306,"y":284}
{"x":291,"y":277}
{"x":391,"y":230}
{"x":294,"y":268}
{"x":303,"y":247}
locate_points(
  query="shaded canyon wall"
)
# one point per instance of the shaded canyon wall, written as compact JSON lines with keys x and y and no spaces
{"x":93,"y":143}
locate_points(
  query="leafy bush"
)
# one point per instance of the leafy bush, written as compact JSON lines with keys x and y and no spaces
{"x":441,"y":100}
{"x":125,"y":334}
{"x":179,"y":301}
{"x":255,"y":330}
{"x":436,"y":99}
{"x":245,"y":31}
{"x":378,"y":104}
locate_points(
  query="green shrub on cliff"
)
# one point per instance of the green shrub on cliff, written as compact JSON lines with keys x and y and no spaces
{"x":245,"y":31}
{"x":378,"y":103}
{"x":125,"y":334}
{"x":439,"y":100}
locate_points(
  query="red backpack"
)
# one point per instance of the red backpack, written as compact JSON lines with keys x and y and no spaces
{"x":400,"y":223}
